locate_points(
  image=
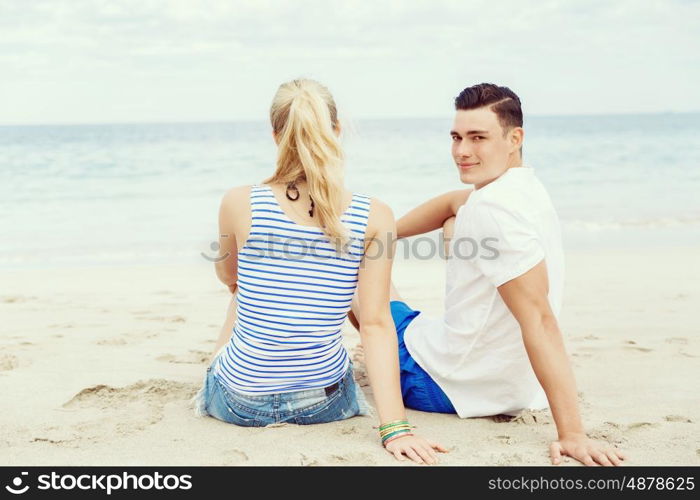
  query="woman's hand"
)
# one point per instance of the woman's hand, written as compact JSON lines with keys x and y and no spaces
{"x":416,"y":448}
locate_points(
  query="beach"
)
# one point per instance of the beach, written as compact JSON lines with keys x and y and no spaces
{"x":98,"y":363}
{"x":127,"y":126}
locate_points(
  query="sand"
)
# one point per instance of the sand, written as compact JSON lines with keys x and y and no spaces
{"x":97,"y":366}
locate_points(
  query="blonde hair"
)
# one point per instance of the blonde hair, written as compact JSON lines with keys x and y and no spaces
{"x":305,"y":119}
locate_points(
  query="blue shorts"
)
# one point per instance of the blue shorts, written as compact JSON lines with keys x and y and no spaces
{"x":419,"y":390}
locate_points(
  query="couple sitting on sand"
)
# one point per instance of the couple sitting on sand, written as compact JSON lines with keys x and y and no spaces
{"x":301,"y":254}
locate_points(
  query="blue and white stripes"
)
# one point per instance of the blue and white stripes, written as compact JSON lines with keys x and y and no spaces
{"x":294,"y":293}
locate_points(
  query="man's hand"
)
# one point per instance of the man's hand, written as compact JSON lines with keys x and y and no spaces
{"x":586,"y":451}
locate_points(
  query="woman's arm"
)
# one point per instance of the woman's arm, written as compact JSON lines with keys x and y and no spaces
{"x":432,"y":214}
{"x":227,"y":328}
{"x":378,"y":333}
{"x":234,"y":209}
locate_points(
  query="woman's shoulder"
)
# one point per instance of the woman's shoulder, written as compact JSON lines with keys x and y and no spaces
{"x":237,"y":192}
{"x":236,"y":197}
{"x":381,"y":216}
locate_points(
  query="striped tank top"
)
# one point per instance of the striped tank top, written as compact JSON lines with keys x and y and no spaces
{"x":294,"y":293}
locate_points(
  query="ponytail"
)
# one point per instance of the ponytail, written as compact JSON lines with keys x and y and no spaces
{"x":304,"y":118}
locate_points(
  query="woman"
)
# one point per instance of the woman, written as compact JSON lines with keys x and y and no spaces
{"x":293,"y":250}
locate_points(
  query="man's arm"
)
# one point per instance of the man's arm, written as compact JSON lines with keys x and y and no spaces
{"x":432,"y":214}
{"x":526,"y":297}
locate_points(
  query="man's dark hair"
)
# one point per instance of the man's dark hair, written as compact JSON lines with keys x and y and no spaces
{"x":502,"y":101}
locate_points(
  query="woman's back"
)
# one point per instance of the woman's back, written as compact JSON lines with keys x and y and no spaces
{"x":294,"y":293}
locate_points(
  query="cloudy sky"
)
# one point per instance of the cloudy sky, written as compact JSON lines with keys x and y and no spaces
{"x":97,"y":61}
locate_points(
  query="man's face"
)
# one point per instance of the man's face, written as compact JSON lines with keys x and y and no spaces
{"x":479,"y":148}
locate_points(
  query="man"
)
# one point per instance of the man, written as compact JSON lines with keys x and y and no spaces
{"x":498,"y":348}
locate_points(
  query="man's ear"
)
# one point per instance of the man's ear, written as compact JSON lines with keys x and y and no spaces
{"x":517,"y":135}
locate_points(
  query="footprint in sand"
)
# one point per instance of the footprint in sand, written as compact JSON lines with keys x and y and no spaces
{"x":505,"y":439}
{"x":112,"y":341}
{"x":49,"y":440}
{"x":191,"y":357}
{"x":351,"y":458}
{"x":169,"y":319}
{"x":609,"y":431}
{"x":587,"y":337}
{"x":640,"y":349}
{"x":8,"y":362}
{"x":13,"y":299}
{"x":632,"y":345}
{"x":236,"y":457}
{"x":640,"y":425}
{"x":678,"y":418}
{"x":681,"y":341}
{"x":129,"y":338}
{"x":147,"y":334}
{"x":152,"y":391}
{"x":124,"y":410}
{"x":60,"y":435}
{"x":101,"y":412}
{"x":533,"y":417}
{"x":349,"y":430}
{"x":306,"y":461}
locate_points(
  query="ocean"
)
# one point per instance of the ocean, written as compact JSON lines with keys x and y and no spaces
{"x":91,"y":195}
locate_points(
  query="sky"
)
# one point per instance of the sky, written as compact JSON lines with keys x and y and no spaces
{"x":116,"y":61}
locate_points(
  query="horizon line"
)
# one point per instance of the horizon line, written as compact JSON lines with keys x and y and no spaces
{"x":387,"y":118}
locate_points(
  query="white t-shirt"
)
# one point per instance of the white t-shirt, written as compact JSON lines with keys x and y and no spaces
{"x":475,"y":352}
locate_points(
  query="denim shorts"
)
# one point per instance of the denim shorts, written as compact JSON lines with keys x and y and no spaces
{"x":342,"y":400}
{"x":418,"y":389}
